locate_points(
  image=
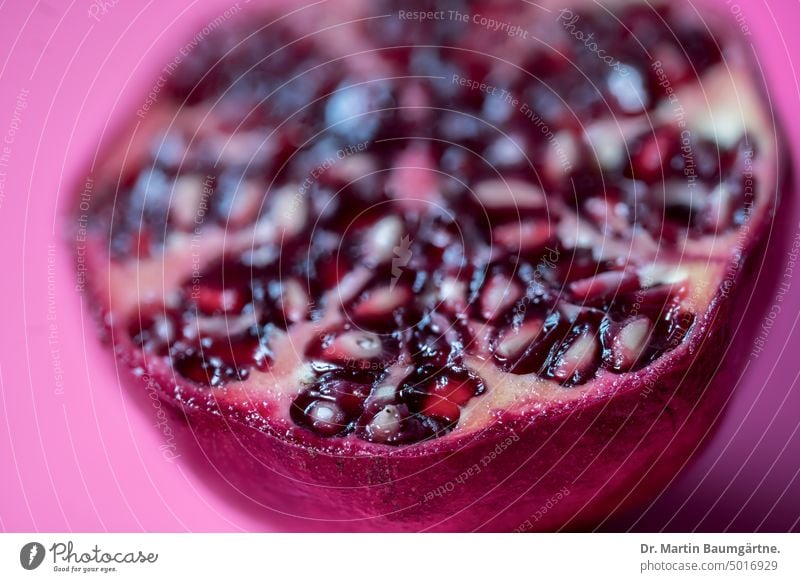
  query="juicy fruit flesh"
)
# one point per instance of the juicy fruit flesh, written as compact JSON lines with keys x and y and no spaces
{"x":447,"y":207}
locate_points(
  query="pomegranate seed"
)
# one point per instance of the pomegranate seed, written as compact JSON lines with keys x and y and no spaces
{"x":649,"y":160}
{"x":454,"y":390}
{"x":439,"y":407}
{"x":494,"y":194}
{"x":349,"y":396}
{"x":217,"y":301}
{"x":294,"y":300}
{"x":603,"y":285}
{"x":716,"y":216}
{"x":515,"y":342}
{"x":610,"y":217}
{"x":629,"y":343}
{"x":382,"y":240}
{"x":528,"y":235}
{"x":354,"y":348}
{"x":507,"y":152}
{"x":415,"y":180}
{"x":354,"y":345}
{"x":287,"y":217}
{"x":655,"y":274}
{"x":239,"y":351}
{"x":385,"y":425}
{"x":453,"y":294}
{"x":193,"y":366}
{"x":439,"y":392}
{"x":382,"y":302}
{"x":242,"y":204}
{"x":154,"y":332}
{"x":188,"y":193}
{"x":325,"y":417}
{"x":627,"y":85}
{"x":499,"y":294}
{"x":578,"y":359}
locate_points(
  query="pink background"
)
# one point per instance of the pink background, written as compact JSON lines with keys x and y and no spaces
{"x":87,"y":457}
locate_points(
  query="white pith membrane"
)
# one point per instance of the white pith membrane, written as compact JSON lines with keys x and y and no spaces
{"x":266,"y":216}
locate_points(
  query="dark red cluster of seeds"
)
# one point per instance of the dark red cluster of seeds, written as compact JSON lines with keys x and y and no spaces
{"x":515,"y":294}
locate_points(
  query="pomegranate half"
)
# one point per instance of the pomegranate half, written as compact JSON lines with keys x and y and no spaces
{"x":440,"y":265}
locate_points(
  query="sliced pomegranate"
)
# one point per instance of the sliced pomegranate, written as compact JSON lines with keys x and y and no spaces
{"x":365,"y":267}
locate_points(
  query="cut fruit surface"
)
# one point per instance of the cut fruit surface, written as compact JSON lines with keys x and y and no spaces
{"x":377,"y":237}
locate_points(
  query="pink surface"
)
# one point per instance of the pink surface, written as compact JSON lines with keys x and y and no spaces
{"x":80,"y":450}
